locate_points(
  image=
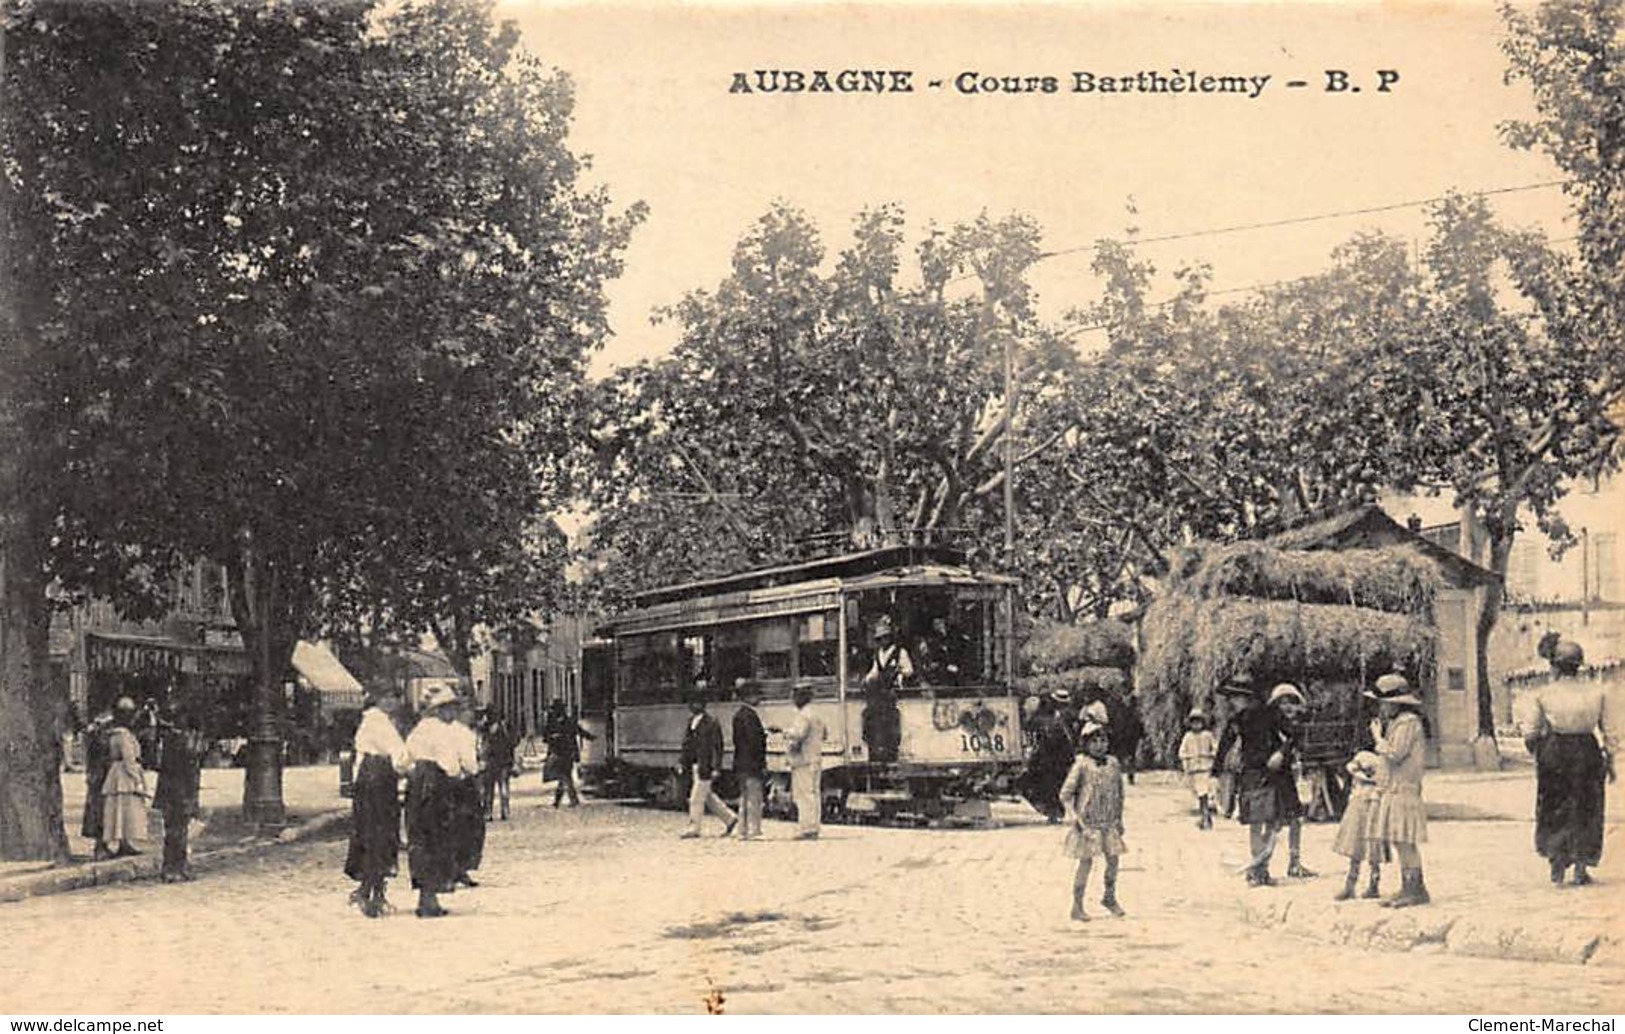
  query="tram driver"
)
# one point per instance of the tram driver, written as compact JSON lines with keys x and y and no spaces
{"x":892,"y":668}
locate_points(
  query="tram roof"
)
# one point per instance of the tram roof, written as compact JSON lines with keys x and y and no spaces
{"x":845,"y":566}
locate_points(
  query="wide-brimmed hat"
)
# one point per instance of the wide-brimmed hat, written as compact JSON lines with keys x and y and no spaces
{"x":1061,"y":696}
{"x":1286,"y":691}
{"x":440,"y":696}
{"x":882,"y":627}
{"x":1196,"y":715}
{"x":1395,"y":689}
{"x":1090,"y":727}
{"x":1095,"y":711}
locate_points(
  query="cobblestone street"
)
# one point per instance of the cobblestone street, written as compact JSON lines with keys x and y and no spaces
{"x":604,"y":909}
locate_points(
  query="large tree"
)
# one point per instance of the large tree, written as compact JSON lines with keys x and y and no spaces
{"x":1503,"y":406}
{"x":862,"y":403}
{"x":305,"y":289}
{"x":1571,"y":53}
{"x":1214,"y":422}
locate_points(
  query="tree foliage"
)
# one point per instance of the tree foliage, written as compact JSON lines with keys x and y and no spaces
{"x":313,"y":288}
{"x":1571,"y":53}
{"x":862,"y":403}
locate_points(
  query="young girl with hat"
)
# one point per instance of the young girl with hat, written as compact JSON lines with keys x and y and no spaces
{"x":1093,"y":799}
{"x":1197,"y":750}
{"x":1354,"y":839}
{"x":1401,"y":819}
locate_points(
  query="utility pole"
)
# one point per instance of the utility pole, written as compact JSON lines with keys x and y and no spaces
{"x":1009,"y":447}
{"x":1585,"y":577}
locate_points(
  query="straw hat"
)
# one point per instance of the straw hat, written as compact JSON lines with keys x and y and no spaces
{"x":1096,"y":712}
{"x":1061,"y":696}
{"x":1394,"y":689}
{"x":1285,"y":691}
{"x":1090,"y":727}
{"x":440,"y":696}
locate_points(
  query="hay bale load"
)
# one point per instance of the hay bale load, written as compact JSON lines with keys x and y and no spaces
{"x":1329,"y":620}
{"x":1056,"y":646}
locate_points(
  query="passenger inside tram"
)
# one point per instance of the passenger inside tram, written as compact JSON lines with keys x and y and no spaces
{"x":913,"y":642}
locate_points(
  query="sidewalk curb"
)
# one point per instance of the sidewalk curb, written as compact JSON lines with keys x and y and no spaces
{"x":1364,"y":924}
{"x":145,"y":866}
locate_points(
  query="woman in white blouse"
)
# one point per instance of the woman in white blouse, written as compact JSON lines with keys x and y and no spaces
{"x":375,"y":836}
{"x":443,"y":751}
{"x":1566,"y":718}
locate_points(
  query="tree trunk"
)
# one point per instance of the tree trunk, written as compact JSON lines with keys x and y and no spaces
{"x":455,"y":643}
{"x":31,"y":827}
{"x":30,"y":757}
{"x":1500,"y":542}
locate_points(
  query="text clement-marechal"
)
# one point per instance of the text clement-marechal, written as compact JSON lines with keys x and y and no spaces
{"x":846,"y":80}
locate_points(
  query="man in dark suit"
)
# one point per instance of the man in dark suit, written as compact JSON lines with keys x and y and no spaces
{"x":750,"y":761}
{"x":701,"y":757}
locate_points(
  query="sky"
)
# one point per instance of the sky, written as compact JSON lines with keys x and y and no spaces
{"x":655,"y":113}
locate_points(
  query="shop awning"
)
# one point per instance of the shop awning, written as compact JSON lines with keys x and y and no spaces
{"x":316,"y":664}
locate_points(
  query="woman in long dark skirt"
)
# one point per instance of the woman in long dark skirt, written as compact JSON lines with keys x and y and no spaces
{"x":443,"y":756}
{"x":468,"y":811}
{"x":1571,"y":769}
{"x":375,"y":838}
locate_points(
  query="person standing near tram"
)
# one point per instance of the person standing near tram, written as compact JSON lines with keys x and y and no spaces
{"x":804,"y":743}
{"x":750,"y":760}
{"x":701,"y":757}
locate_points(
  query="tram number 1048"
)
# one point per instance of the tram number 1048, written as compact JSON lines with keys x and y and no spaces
{"x":982,"y":742}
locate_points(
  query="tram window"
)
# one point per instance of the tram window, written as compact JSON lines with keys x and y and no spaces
{"x":817,"y":641}
{"x":698,"y":659}
{"x":635,"y":659}
{"x":670,"y":665}
{"x":774,"y":643}
{"x":731,"y":647}
{"x":951,"y":637}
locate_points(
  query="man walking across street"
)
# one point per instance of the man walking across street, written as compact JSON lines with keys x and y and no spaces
{"x":750,"y":761}
{"x":702,"y":759}
{"x":180,"y":761}
{"x":805,"y":743}
{"x":563,"y":735}
{"x":500,"y":745}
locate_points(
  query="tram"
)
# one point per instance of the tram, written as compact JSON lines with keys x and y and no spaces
{"x":954,"y":738}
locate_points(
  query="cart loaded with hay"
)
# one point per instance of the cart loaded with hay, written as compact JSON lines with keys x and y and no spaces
{"x":1329,"y":620}
{"x":1066,"y":668}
